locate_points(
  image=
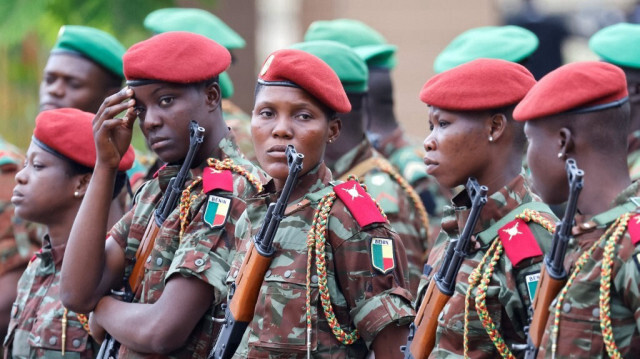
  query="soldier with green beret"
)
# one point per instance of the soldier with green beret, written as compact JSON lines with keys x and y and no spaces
{"x":207,"y":24}
{"x":620,"y":45}
{"x":353,"y":154}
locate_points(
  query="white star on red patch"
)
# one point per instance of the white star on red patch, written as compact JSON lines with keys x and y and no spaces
{"x":353,"y":192}
{"x":512,"y":231}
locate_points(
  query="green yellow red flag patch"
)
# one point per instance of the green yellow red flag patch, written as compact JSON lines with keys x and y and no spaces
{"x":382,"y":255}
{"x":215,"y":215}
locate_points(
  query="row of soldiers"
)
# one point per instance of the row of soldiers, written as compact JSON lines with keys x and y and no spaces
{"x":346,"y":274}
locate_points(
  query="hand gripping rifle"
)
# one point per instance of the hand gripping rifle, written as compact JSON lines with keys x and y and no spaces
{"x":109,"y":347}
{"x":422,"y":332}
{"x":553,"y":276}
{"x":243,"y":294}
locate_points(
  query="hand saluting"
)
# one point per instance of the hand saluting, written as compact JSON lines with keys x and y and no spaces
{"x":113,"y":135}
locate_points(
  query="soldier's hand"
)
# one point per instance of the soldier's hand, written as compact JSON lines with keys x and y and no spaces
{"x":113,"y":135}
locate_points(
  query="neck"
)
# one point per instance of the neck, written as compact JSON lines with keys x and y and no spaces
{"x":382,"y":118}
{"x":603,"y":182}
{"x":351,"y":134}
{"x":211,"y":146}
{"x":500,"y":173}
{"x":60,"y":227}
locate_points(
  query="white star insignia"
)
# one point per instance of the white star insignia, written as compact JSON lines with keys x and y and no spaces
{"x":512,"y":231}
{"x":353,"y":192}
{"x":213,"y":170}
{"x":637,"y":218}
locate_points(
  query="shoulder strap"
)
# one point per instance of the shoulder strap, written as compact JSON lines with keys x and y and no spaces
{"x":611,"y":215}
{"x":490,"y":233}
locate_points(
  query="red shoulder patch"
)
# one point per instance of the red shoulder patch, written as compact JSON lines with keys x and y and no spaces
{"x":518,"y":241}
{"x":359,"y":203}
{"x":213,"y":179}
{"x":633,"y":227}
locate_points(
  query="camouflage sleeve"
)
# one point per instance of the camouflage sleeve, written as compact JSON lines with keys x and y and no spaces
{"x":376,"y":297}
{"x":120,"y":230}
{"x":206,"y":250}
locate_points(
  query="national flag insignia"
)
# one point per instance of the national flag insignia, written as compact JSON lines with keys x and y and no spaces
{"x":518,"y":241}
{"x":532,"y":284}
{"x":215,"y":215}
{"x":382,"y":255}
{"x":633,"y":227}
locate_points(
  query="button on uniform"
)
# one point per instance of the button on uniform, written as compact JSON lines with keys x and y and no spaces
{"x":287,"y":274}
{"x":159,"y":261}
{"x":53,"y":341}
{"x":566,"y":307}
{"x":268,"y":273}
{"x":199,"y":262}
{"x":76,"y":343}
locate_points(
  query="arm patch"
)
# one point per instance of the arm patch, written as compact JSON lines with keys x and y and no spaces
{"x":359,"y":203}
{"x":518,"y":241}
{"x":213,"y":179}
{"x":633,"y":227}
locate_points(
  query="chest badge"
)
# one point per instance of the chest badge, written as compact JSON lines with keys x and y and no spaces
{"x":382,"y":255}
{"x":217,"y":211}
{"x":532,"y":284}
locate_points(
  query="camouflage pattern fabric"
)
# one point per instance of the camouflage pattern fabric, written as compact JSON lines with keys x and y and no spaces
{"x":362,"y":297}
{"x":633,"y":158}
{"x":240,"y":124}
{"x":579,"y":332}
{"x":36,"y":328}
{"x":204,"y":252}
{"x":508,"y":298}
{"x":396,"y":204}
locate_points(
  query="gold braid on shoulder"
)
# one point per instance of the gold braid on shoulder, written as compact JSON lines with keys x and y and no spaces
{"x":483,"y":275}
{"x":187,"y":197}
{"x":316,"y":240}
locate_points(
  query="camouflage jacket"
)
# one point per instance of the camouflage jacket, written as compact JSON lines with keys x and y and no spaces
{"x":395,"y":202}
{"x":36,"y":326}
{"x":240,"y":124}
{"x":579,"y":329}
{"x":205,"y":250}
{"x":362,"y":297}
{"x":19,"y":239}
{"x":508,"y":293}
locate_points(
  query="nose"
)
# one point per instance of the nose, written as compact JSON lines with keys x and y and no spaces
{"x":282,"y":128}
{"x":55,"y":88}
{"x":150,"y":120}
{"x":429,"y":142}
{"x":21,"y":176}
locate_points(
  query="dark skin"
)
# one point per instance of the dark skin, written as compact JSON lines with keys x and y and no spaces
{"x":633,"y":84}
{"x":459,"y":147}
{"x":382,"y":119}
{"x":570,"y":136}
{"x":352,"y":132}
{"x":164,"y":110}
{"x":287,"y":115}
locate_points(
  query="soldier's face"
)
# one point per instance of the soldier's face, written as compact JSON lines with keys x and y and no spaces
{"x":285,"y":116}
{"x":72,"y":81}
{"x":456,"y":147}
{"x":165,"y":111}
{"x":548,"y":175}
{"x":44,"y":189}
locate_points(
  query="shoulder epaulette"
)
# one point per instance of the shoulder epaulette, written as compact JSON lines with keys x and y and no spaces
{"x":633,"y":226}
{"x":357,"y":200}
{"x":518,"y":241}
{"x":213,"y":179}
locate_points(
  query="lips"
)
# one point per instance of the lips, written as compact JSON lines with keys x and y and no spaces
{"x":277,"y":148}
{"x":431,"y":164}
{"x":157,"y":142}
{"x":17,"y":197}
{"x":49,"y":106}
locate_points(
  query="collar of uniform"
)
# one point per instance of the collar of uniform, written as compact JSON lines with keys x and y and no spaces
{"x":498,"y":205}
{"x":50,"y":254}
{"x":627,"y":200}
{"x":229,"y":148}
{"x":361,"y":152}
{"x":627,"y":195}
{"x":634,"y":142}
{"x":164,"y":175}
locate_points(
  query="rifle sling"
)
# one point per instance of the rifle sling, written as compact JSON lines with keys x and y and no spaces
{"x":486,"y":236}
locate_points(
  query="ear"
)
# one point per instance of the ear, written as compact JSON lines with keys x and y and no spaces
{"x":214,"y":96}
{"x":335,"y":126}
{"x":82,"y":182}
{"x":497,"y":125}
{"x":565,"y":142}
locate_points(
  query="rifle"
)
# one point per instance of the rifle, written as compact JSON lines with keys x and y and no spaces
{"x":110,"y":346}
{"x":422,"y":332}
{"x":243,"y":294}
{"x":553,"y":276}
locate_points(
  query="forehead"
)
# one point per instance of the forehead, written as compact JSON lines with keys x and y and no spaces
{"x":70,"y":65}
{"x":155,"y":88}
{"x":286,"y":96}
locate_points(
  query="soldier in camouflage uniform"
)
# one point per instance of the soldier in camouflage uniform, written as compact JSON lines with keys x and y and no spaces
{"x":49,"y":191}
{"x":353,"y":154}
{"x":205,"y":23}
{"x":474,"y":135}
{"x":596,"y":313}
{"x":183,"y":278}
{"x":350,"y":296}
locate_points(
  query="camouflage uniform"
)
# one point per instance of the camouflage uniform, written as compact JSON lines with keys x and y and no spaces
{"x":203,"y":252}
{"x":36,"y":326}
{"x":394,"y":201}
{"x":361,"y":297}
{"x":240,"y":124}
{"x":633,"y":158}
{"x":579,"y":330}
{"x":508,"y":296}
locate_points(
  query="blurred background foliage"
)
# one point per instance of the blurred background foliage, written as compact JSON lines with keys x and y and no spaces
{"x":28,"y":30}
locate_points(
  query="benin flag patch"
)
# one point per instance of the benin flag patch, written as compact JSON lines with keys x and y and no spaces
{"x":217,"y":210}
{"x":382,"y":255}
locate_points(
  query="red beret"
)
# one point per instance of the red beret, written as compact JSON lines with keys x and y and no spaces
{"x":478,"y":85}
{"x":176,"y":56}
{"x":578,"y":87}
{"x":299,"y":68}
{"x":69,"y":132}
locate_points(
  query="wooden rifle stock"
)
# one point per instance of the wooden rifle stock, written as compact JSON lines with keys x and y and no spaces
{"x":548,"y":289}
{"x":426,"y":322}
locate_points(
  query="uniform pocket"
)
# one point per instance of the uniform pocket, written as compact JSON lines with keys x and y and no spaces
{"x":47,"y":335}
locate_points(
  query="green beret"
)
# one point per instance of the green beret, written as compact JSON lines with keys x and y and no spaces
{"x":194,"y":20}
{"x":618,"y":44}
{"x":350,"y":68}
{"x":226,"y":86}
{"x":510,"y":43}
{"x":96,"y":45}
{"x":369,"y":44}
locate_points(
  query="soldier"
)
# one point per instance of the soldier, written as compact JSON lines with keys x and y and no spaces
{"x":581,"y":111}
{"x":474,"y":135}
{"x":353,"y":154}
{"x":618,"y":44}
{"x":49,"y":191}
{"x":172,"y":80}
{"x":353,"y":297}
{"x":205,"y":23}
